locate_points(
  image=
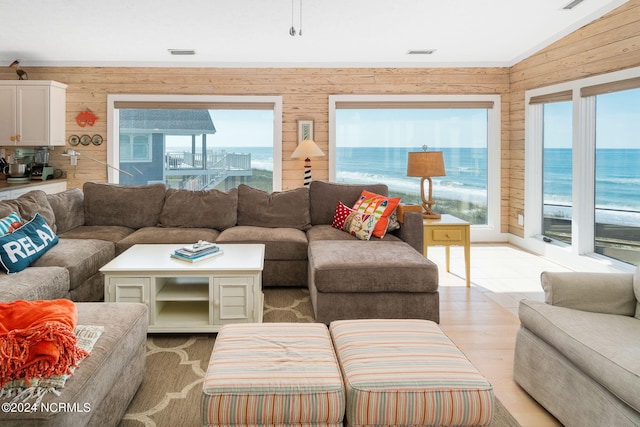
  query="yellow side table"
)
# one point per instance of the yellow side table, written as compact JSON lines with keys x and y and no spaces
{"x":449,"y":231}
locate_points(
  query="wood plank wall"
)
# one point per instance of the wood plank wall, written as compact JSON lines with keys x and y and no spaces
{"x":305,"y":93}
{"x":608,"y":44}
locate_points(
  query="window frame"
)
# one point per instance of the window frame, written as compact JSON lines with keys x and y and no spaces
{"x":489,"y":232}
{"x":132,"y":137}
{"x":113,"y":127}
{"x":581,"y":252}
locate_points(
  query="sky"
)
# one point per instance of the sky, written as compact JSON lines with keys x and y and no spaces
{"x":234,"y":128}
{"x":437,"y":128}
{"x":618,"y":126}
{"x":617,"y":121}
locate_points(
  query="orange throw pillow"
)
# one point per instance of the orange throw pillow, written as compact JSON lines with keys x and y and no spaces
{"x":378,"y":206}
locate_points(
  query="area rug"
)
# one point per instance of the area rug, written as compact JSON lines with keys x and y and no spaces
{"x":176,"y":365}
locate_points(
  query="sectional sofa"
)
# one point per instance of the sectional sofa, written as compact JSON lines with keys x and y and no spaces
{"x":386,"y":277}
{"x":85,"y":229}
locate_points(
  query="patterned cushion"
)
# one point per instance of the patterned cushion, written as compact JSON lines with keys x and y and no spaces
{"x":273,"y":374}
{"x":342,"y":212}
{"x":356,"y":223}
{"x":381,"y":207}
{"x":8,"y":223}
{"x":407,"y":372}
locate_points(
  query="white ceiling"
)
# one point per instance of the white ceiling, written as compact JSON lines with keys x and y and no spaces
{"x":247,"y":33}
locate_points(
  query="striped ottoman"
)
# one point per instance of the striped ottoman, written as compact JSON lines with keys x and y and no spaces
{"x":407,"y":372}
{"x":273,"y":374}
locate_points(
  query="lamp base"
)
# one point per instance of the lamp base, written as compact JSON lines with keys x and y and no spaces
{"x":432,"y":215}
{"x":428,"y":212}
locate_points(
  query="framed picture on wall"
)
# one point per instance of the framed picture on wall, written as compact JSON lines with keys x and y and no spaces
{"x":305,"y":129}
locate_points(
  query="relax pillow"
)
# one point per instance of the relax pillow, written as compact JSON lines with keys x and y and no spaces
{"x":379,"y":206}
{"x":25,"y":245}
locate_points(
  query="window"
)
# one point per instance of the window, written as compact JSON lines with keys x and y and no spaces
{"x":557,"y":170}
{"x":589,"y":195}
{"x":196,"y":142}
{"x":135,"y":148}
{"x":617,"y":176}
{"x":372,"y":137}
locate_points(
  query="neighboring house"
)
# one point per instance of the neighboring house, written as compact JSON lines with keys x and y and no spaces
{"x":144,"y":153}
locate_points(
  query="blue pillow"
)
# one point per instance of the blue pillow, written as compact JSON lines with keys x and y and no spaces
{"x":25,"y":245}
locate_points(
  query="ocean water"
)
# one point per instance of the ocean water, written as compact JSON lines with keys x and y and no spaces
{"x":617,"y":196}
{"x":466,"y":177}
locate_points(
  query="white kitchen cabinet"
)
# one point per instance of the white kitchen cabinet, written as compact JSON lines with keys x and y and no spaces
{"x":32,"y":113}
{"x":13,"y":191}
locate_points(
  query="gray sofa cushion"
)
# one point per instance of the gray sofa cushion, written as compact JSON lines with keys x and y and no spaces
{"x":203,"y":209}
{"x":35,"y":283}
{"x":605,"y":346}
{"x":373,"y":266}
{"x":110,"y":204}
{"x":27,"y":205}
{"x":324,"y":197}
{"x":109,"y":233}
{"x":327,"y":232}
{"x":81,"y":257}
{"x":280,"y":243}
{"x":610,"y":293}
{"x":68,"y":209}
{"x":286,"y":209}
{"x":161,"y":235}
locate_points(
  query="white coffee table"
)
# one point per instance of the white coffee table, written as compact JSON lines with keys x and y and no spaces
{"x":189,"y":297}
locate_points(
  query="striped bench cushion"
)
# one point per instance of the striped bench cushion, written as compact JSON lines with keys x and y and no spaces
{"x":273,"y":373}
{"x":408,"y":372}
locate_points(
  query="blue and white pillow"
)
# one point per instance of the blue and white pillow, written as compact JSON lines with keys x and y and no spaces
{"x":25,"y":245}
{"x":8,"y":221}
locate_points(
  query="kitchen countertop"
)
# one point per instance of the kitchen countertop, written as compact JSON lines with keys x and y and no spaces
{"x":4,"y":185}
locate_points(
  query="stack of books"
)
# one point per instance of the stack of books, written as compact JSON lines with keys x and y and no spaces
{"x":197,"y":252}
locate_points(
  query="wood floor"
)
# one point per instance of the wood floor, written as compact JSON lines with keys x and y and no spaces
{"x":482,"y":320}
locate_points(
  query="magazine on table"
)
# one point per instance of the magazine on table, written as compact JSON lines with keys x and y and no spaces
{"x":197,"y":252}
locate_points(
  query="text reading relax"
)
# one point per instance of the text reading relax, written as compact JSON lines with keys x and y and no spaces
{"x":25,"y":247}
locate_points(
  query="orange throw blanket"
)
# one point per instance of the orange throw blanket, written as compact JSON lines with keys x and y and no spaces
{"x":37,"y":339}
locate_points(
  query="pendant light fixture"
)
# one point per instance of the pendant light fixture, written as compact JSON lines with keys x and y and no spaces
{"x":292,"y":30}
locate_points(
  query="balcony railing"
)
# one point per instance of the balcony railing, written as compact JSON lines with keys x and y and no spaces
{"x":199,"y":171}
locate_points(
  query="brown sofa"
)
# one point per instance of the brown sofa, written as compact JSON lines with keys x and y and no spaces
{"x":103,"y":220}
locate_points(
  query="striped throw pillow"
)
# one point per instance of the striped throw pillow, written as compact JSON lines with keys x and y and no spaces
{"x":10,"y":223}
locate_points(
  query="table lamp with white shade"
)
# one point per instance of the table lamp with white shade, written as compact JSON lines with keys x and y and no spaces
{"x":306,"y":149}
{"x":426,"y":164}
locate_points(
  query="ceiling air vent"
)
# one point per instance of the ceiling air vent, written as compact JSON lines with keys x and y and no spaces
{"x":179,"y":52}
{"x":572,"y":4}
{"x":421,"y":52}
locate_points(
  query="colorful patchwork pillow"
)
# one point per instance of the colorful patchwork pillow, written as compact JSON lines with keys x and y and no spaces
{"x":379,"y":206}
{"x":25,"y":245}
{"x":10,"y":223}
{"x":353,"y":222}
